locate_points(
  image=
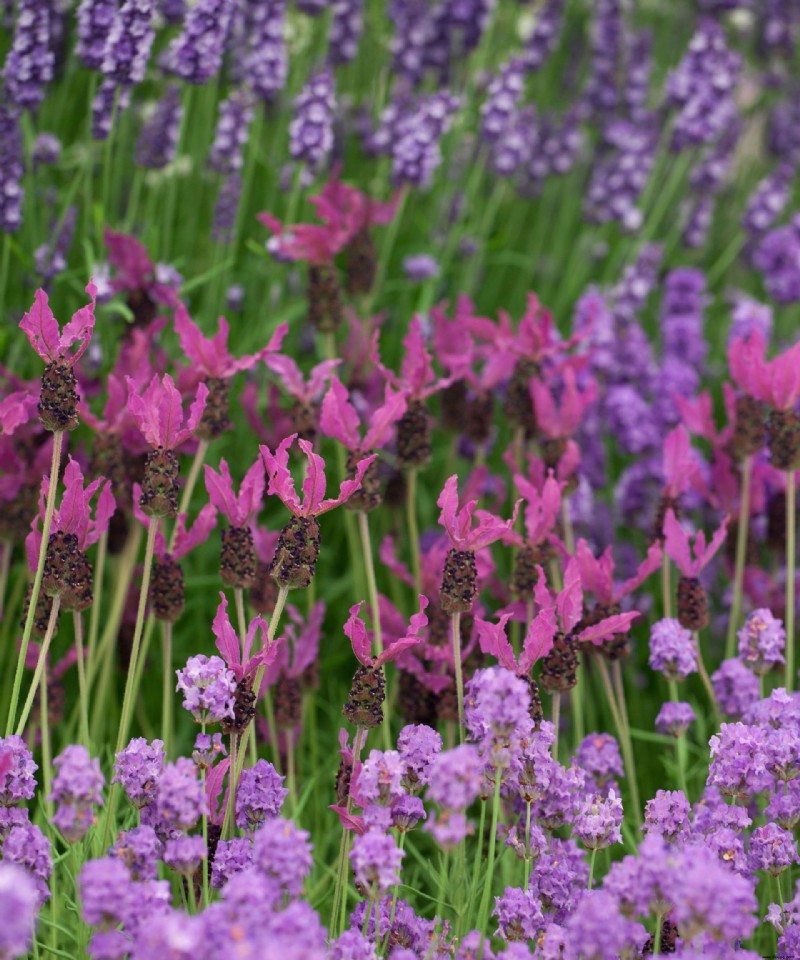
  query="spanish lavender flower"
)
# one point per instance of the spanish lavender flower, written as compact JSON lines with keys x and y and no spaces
{"x":95,"y":18}
{"x":19,"y":904}
{"x":140,"y":850}
{"x":735,"y":687}
{"x":180,"y":800}
{"x":674,"y":719}
{"x":420,"y":267}
{"x":232,"y":857}
{"x":598,"y":822}
{"x":778,"y":258}
{"x":265,"y":65}
{"x":544,"y":36}
{"x":226,"y":209}
{"x":230,"y":136}
{"x":667,"y":814}
{"x":128,"y":45}
{"x":501,"y":100}
{"x":196,"y":54}
{"x":260,"y":795}
{"x":184,"y":855}
{"x":158,"y":138}
{"x":519,"y":914}
{"x":619,"y":176}
{"x":138,"y":768}
{"x":761,"y":642}
{"x":282,"y":852}
{"x":77,"y":787}
{"x":51,"y":257}
{"x":11,"y":169}
{"x":738,"y":768}
{"x":17,"y":783}
{"x":672,"y":650}
{"x":29,"y":63}
{"x":347,"y":26}
{"x":418,"y":745}
{"x":598,"y":754}
{"x":416,"y":152}
{"x":311,"y":129}
{"x":208,"y":688}
{"x":376,"y":861}
{"x":701,"y":87}
{"x":29,"y":848}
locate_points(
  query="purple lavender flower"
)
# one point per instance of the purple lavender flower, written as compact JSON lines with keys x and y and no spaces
{"x":502,"y":97}
{"x":232,"y":857}
{"x":598,"y":822}
{"x":207,"y":749}
{"x":128,"y":44}
{"x":559,"y":878}
{"x":226,"y":209}
{"x":347,"y":25}
{"x":95,"y":18}
{"x":544,"y":36}
{"x":29,"y":63}
{"x":138,"y":768}
{"x":639,"y":66}
{"x":376,"y":861}
{"x":180,"y":799}
{"x":748,"y":316}
{"x":27,"y":847}
{"x":698,"y":219}
{"x":598,"y":754}
{"x":171,"y":935}
{"x":761,"y":642}
{"x":768,"y":201}
{"x":282,"y":852}
{"x":418,"y":745}
{"x":185,"y":854}
{"x":208,"y":687}
{"x":497,"y":707}
{"x":311,"y":129}
{"x":260,"y":795}
{"x":682,"y":309}
{"x":564,"y":795}
{"x":266,"y":67}
{"x":784,"y":805}
{"x":448,"y":828}
{"x":602,"y":93}
{"x":230,"y":136}
{"x":674,"y":719}
{"x":667,"y":814}
{"x":140,"y":850}
{"x":18,"y":782}
{"x":735,"y":687}
{"x":420,"y":267}
{"x":456,"y":777}
{"x":46,"y":150}
{"x":353,"y":945}
{"x":12,"y":817}
{"x":407,"y":813}
{"x":772,"y":849}
{"x":596,"y":930}
{"x":77,"y":787}
{"x":674,"y":377}
{"x":738,"y":764}
{"x":620,"y":174}
{"x":631,"y":419}
{"x":380,"y":778}
{"x":416,"y":151}
{"x":173,"y":11}
{"x":672,"y":650}
{"x":519,"y":914}
{"x":19,"y":905}
{"x":158,"y":138}
{"x":11,"y":170}
{"x":196,"y":54}
{"x":412,"y":33}
{"x":778,"y":259}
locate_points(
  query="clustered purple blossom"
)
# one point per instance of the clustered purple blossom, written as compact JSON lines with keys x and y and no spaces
{"x":259,"y":796}
{"x":235,"y":115}
{"x":598,"y":754}
{"x":282,"y":852}
{"x":620,"y":173}
{"x":667,"y":814}
{"x":602,"y":93}
{"x":138,"y":769}
{"x":735,"y":687}
{"x":128,"y":43}
{"x":29,"y":63}
{"x":185,"y":854}
{"x":599,"y":821}
{"x":26,"y":846}
{"x":496,"y":709}
{"x":768,"y":201}
{"x":18,"y":782}
{"x":672,"y":650}
{"x":180,"y":800}
{"x":95,"y":18}
{"x":347,"y":26}
{"x":544,"y":36}
{"x":762,"y":640}
{"x":418,"y":745}
{"x":11,"y":169}
{"x":77,"y":788}
{"x":140,"y":850}
{"x":501,"y":100}
{"x":376,"y":861}
{"x":415,"y":139}
{"x":311,"y":129}
{"x":207,"y":749}
{"x":20,"y":905}
{"x":266,"y":65}
{"x":158,"y":138}
{"x":778,"y":258}
{"x":674,"y":719}
{"x":51,"y":257}
{"x":195,"y":54}
{"x":519,"y":914}
{"x":208,"y":687}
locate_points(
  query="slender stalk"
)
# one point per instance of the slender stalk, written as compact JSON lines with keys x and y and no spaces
{"x":741,"y":556}
{"x":556,"y":705}
{"x":483,"y":913}
{"x":238,"y":595}
{"x":339,"y":898}
{"x":625,"y":742}
{"x":83,"y":691}
{"x":233,"y":785}
{"x":657,"y":937}
{"x":680,"y":742}
{"x":97,"y":590}
{"x":478,"y":858}
{"x":167,"y":689}
{"x":58,"y":441}
{"x":591,"y":868}
{"x":413,"y":529}
{"x":6,"y":549}
{"x":191,"y":481}
{"x":40,"y":665}
{"x":291,"y":778}
{"x":701,"y":669}
{"x":455,"y":627}
{"x":791,"y":533}
{"x":627,"y":748}
{"x":47,"y":754}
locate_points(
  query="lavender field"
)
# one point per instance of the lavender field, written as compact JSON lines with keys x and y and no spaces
{"x":399,"y":449}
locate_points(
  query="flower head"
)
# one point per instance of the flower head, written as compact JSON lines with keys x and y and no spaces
{"x":17,"y":780}
{"x":376,"y":861}
{"x":260,"y":795}
{"x":158,"y":412}
{"x":77,"y":787}
{"x":356,"y":631}
{"x":208,"y":687}
{"x":282,"y":485}
{"x":675,"y":718}
{"x":762,"y":640}
{"x":458,"y":523}
{"x":240,"y":510}
{"x":42,"y":330}
{"x":563,"y":420}
{"x":138,"y":769}
{"x":680,"y":548}
{"x":211,"y":357}
{"x":236,"y":655}
{"x":20,"y":900}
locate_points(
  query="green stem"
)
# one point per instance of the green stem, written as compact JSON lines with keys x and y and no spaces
{"x":666,"y":588}
{"x":47,"y":756}
{"x":478,"y":859}
{"x":791,"y":533}
{"x":591,"y":868}
{"x":483,"y":914}
{"x":624,"y":740}
{"x":413,"y":529}
{"x":40,"y":665}
{"x":627,"y":742}
{"x":527,"y":860}
{"x":97,"y":589}
{"x":167,"y":690}
{"x":83,"y":691}
{"x":58,"y":441}
{"x":701,"y":669}
{"x":680,"y":743}
{"x":237,"y":749}
{"x":657,"y":936}
{"x":556,"y":705}
{"x":6,"y":549}
{"x":455,"y":628}
{"x":191,"y":481}
{"x":741,"y":556}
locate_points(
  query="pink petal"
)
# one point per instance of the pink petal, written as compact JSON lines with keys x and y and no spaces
{"x":103,"y":512}
{"x":251,"y":493}
{"x":676,"y":544}
{"x":417,"y":369}
{"x":746,"y":360}
{"x":356,"y":631}
{"x":314,"y":482}
{"x":349,"y":821}
{"x":382,"y":420}
{"x":195,"y":414}
{"x":290,"y":376}
{"x":448,"y":502}
{"x":388,"y":557}
{"x":539,"y":638}
{"x":135,"y":269}
{"x":17,"y":409}
{"x":220,"y":492}
{"x":596,"y":576}
{"x":569,"y":602}
{"x":80,"y":327}
{"x":281,"y":484}
{"x":704,"y":557}
{"x":319,"y":376}
{"x":647,"y":567}
{"x":348,"y":487}
{"x":679,"y":463}
{"x":338,"y":418}
{"x":493,"y":640}
{"x":187,"y":540}
{"x":41,"y":328}
{"x":545,"y":410}
{"x":227,"y":641}
{"x":599,"y":632}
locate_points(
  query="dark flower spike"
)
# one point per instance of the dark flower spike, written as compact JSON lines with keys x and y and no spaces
{"x":356,"y":631}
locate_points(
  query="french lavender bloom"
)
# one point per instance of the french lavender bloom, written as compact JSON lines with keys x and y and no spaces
{"x":230,"y":136}
{"x":598,"y":822}
{"x":282,"y":852}
{"x":77,"y":787}
{"x":158,"y":138}
{"x":208,"y":688}
{"x":95,"y":18}
{"x":667,"y":814}
{"x":29,"y":63}
{"x":17,"y":782}
{"x":138,"y":769}
{"x":347,"y":26}
{"x":266,"y":66}
{"x":501,"y":100}
{"x":19,"y":905}
{"x":674,"y":719}
{"x":11,"y":170}
{"x":735,"y":687}
{"x":196,"y":54}
{"x":376,"y":861}
{"x":184,"y":855}
{"x":311,"y":129}
{"x":180,"y":800}
{"x":762,"y":640}
{"x":672,"y":650}
{"x":260,"y":795}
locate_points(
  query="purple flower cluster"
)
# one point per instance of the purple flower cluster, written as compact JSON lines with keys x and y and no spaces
{"x":674,"y":719}
{"x":20,"y":905}
{"x":260,"y":795}
{"x":415,"y":141}
{"x":26,"y":846}
{"x":185,"y":854}
{"x":77,"y":787}
{"x":598,"y":754}
{"x":266,"y":65}
{"x":196,"y":54}
{"x":599,"y":821}
{"x":620,"y":174}
{"x":11,"y":170}
{"x":17,"y":783}
{"x":128,"y":43}
{"x":417,"y":745}
{"x":735,"y":687}
{"x":778,"y":258}
{"x":158,"y":138}
{"x":282,"y":852}
{"x":347,"y":25}
{"x":672,"y":650}
{"x":667,"y":814}
{"x":768,"y":201}
{"x":762,"y":640}
{"x":140,"y":850}
{"x":95,"y":18}
{"x":138,"y":769}
{"x":544,"y":36}
{"x":602,"y":93}
{"x":208,"y":687}
{"x":180,"y":800}
{"x":376,"y":860}
{"x":501,"y":101}
{"x":311,"y":129}
{"x":29,"y":63}
{"x":235,"y":115}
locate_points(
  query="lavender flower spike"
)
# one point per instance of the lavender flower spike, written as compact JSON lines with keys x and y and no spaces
{"x":29,"y":63}
{"x":311,"y":130}
{"x":196,"y":55}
